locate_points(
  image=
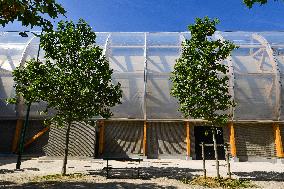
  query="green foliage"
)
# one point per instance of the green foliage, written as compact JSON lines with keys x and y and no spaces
{"x":75,"y":79}
{"x":30,"y":12}
{"x":30,"y":82}
{"x":198,"y":78}
{"x":79,"y":76}
{"x":213,"y":182}
{"x":250,"y":3}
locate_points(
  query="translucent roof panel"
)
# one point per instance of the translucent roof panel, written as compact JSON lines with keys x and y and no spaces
{"x":251,"y":60}
{"x":161,"y":60}
{"x":255,"y":96}
{"x":132,"y":102}
{"x":143,"y":61}
{"x":242,"y":39}
{"x":12,"y":47}
{"x":12,"y":52}
{"x":274,"y":38}
{"x":127,"y":39}
{"x":126,"y":59}
{"x":101,"y":39}
{"x":164,"y":39}
{"x":276,"y":41}
{"x":6,"y":91}
{"x":160,"y":104}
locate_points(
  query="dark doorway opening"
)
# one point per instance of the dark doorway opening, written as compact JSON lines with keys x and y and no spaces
{"x":204,"y":134}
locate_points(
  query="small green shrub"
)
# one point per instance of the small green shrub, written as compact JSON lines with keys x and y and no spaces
{"x":213,"y":182}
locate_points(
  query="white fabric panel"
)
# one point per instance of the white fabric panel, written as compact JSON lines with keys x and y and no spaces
{"x":254,"y":83}
{"x":12,"y":46}
{"x":164,"y":39}
{"x":255,"y":97}
{"x":126,"y":60}
{"x":132,"y":100}
{"x":161,"y":60}
{"x":160,"y":104}
{"x":127,"y":39}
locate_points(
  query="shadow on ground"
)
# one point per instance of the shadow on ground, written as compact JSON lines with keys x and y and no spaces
{"x":261,"y":176}
{"x":147,"y":173}
{"x":9,"y":159}
{"x":4,"y":171}
{"x":80,"y":184}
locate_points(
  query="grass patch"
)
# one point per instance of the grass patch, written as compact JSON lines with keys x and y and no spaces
{"x":56,"y":177}
{"x":213,"y":182}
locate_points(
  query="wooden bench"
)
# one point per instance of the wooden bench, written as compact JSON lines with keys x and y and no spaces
{"x":108,"y":167}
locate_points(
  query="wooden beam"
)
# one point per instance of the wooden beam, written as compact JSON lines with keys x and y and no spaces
{"x":187,"y":128}
{"x":278,"y":141}
{"x":145,"y":139}
{"x":36,"y":136}
{"x":17,"y":135}
{"x":232,"y":140}
{"x":101,"y":137}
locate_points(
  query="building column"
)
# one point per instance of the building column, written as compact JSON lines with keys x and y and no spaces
{"x":17,"y":135}
{"x":232,"y":140}
{"x":101,"y":137}
{"x":187,"y":129}
{"x":145,"y":139}
{"x":278,"y":141}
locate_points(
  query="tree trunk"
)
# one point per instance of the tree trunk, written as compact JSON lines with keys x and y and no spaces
{"x":203,"y":159}
{"x":228,"y":160}
{"x":216,"y":152}
{"x":22,"y":139}
{"x":66,"y":149}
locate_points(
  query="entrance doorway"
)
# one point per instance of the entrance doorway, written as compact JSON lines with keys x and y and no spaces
{"x":204,"y":134}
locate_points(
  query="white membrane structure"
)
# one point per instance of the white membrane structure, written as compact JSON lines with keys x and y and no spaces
{"x":143,"y":62}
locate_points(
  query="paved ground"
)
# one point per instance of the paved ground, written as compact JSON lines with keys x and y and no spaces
{"x":155,"y":173}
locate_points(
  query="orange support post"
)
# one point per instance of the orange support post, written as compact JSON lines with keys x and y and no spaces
{"x":278,"y":141}
{"x":232,"y":140}
{"x":17,"y":135}
{"x":36,"y":136}
{"x":101,"y":137}
{"x":187,"y":127}
{"x":145,"y":139}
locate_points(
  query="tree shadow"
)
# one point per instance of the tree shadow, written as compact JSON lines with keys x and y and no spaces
{"x":80,"y":184}
{"x":147,"y":173}
{"x":261,"y":176}
{"x":4,"y":171}
{"x":12,"y":158}
{"x":4,"y":183}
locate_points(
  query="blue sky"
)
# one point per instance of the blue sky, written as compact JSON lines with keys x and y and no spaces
{"x":171,"y":15}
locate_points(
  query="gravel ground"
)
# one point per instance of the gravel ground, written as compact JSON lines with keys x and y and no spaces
{"x":164,"y":173}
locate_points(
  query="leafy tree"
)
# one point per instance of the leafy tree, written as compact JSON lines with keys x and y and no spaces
{"x":30,"y":86}
{"x":198,"y":78}
{"x":250,"y":3}
{"x":79,"y":77}
{"x":33,"y":13}
{"x":30,"y":12}
{"x":75,"y":79}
